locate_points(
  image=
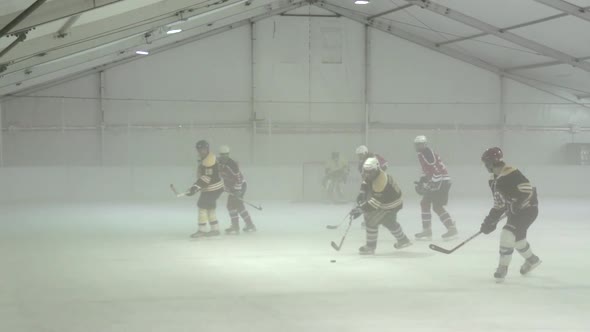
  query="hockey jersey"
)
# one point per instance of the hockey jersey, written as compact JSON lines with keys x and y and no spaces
{"x":382,"y":162}
{"x":208,"y":178}
{"x":383,"y":193}
{"x":231,"y":175}
{"x":512,"y":192}
{"x":432,"y":166}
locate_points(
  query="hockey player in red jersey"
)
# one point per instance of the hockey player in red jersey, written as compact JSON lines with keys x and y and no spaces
{"x":434,"y":186}
{"x":383,"y":202}
{"x":363,"y":154}
{"x":236,"y":187}
{"x":516,"y":197}
{"x":210,"y":185}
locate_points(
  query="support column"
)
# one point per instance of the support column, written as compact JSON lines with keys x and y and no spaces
{"x":102,"y":92}
{"x":252,"y":94}
{"x":502,"y":111}
{"x":1,"y":137}
{"x":367,"y":80}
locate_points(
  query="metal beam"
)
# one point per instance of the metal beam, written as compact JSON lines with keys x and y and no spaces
{"x":20,"y":17}
{"x":308,"y":15}
{"x":390,"y":11}
{"x":100,"y":59}
{"x":488,"y":28}
{"x":110,"y":30}
{"x":21,"y":37}
{"x":65,"y":29}
{"x":135,"y":36}
{"x":387,"y":28}
{"x":567,"y":8}
{"x":540,"y":65}
{"x":53,"y":11}
{"x":512,"y":27}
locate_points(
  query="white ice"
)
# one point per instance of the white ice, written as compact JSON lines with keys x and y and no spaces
{"x":132,"y":268}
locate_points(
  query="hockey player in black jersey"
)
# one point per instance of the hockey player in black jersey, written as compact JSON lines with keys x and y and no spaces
{"x":384,"y":200}
{"x":210,"y":185}
{"x":516,"y":197}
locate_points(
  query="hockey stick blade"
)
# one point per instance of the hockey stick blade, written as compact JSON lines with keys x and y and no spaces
{"x":440,"y":249}
{"x":450,"y":251}
{"x":335,"y":246}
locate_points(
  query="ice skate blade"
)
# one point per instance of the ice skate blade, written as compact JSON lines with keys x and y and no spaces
{"x":424,"y":239}
{"x":402,"y":246}
{"x":450,"y":238}
{"x":499,"y":280}
{"x":534,"y":266}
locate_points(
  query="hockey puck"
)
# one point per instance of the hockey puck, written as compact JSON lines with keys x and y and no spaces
{"x":333,"y":261}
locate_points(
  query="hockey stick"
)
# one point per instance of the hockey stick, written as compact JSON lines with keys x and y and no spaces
{"x":340,"y":224}
{"x":450,"y":251}
{"x":338,"y":246}
{"x":257,"y":207}
{"x":176,"y":191}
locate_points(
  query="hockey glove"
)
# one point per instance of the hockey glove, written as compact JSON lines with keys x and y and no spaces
{"x":360,"y":199}
{"x":420,"y":189}
{"x":489,"y":225}
{"x":193,"y":190}
{"x":356,"y":212}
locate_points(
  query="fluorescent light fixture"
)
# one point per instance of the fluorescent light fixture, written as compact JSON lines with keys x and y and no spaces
{"x":142,"y":52}
{"x":173,"y":31}
{"x":361,"y":2}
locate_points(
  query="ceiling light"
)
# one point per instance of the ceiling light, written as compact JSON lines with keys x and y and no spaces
{"x":142,"y":52}
{"x":361,"y":2}
{"x":173,"y":31}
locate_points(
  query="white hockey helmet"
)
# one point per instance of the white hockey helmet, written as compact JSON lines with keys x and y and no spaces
{"x":224,"y":149}
{"x":420,"y":139}
{"x":371,"y":164}
{"x":362,"y":150}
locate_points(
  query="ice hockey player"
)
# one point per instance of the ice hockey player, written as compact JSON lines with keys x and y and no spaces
{"x":363,"y":154}
{"x":236,"y":187}
{"x":336,"y":173}
{"x":434,"y":186}
{"x":210,"y":185}
{"x":516,"y":197}
{"x":384,"y":201}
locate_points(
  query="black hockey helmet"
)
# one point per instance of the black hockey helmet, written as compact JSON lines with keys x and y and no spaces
{"x":202,"y":145}
{"x":492,"y":157}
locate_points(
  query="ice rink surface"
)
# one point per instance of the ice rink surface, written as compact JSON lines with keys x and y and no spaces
{"x":132,"y":268}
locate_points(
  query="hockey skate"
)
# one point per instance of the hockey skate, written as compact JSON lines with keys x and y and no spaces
{"x":501,"y":273}
{"x":530,"y":264}
{"x":213,"y":233}
{"x":425,"y":235}
{"x":250,"y":228}
{"x":450,"y":234}
{"x":199,"y":234}
{"x":366,"y":250}
{"x":405,"y":242}
{"x":233,"y":230}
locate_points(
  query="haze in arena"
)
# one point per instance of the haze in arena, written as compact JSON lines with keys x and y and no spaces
{"x":294,"y":165}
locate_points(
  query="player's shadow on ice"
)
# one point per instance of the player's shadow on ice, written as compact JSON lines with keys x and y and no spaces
{"x":404,"y":254}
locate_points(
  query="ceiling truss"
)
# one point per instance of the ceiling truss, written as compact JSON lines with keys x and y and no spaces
{"x":89,"y":47}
